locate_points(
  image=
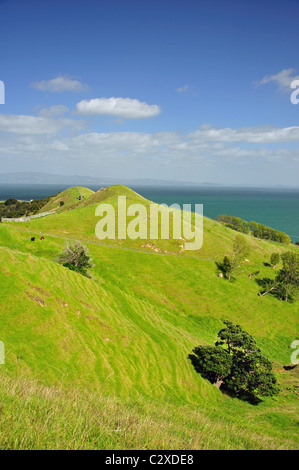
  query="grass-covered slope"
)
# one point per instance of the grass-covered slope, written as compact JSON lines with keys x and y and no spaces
{"x":62,"y":325}
{"x":126,"y":332}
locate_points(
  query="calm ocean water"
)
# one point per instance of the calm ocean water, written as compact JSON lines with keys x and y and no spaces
{"x":277,"y":208}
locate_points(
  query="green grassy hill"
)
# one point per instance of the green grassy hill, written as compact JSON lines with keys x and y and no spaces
{"x":70,"y":198}
{"x":104,"y":360}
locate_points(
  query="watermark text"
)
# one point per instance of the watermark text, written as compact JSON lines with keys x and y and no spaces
{"x":153,"y":221}
{"x":295,"y":94}
{"x":295,"y":354}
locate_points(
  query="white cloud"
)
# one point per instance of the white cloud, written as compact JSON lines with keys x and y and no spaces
{"x":120,"y":107}
{"x":187,"y":89}
{"x":60,"y":84}
{"x":283,"y":79}
{"x":31,"y":125}
{"x":206,"y":145}
{"x":215,"y":152}
{"x":56,"y":110}
{"x":183,"y":89}
{"x":251,"y":135}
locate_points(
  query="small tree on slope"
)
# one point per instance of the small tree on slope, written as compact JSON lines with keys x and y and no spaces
{"x":236,"y":364}
{"x":230,"y":265}
{"x":285,"y":286}
{"x":76,"y":258}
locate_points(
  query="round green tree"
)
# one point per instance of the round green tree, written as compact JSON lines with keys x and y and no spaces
{"x":236,"y":364}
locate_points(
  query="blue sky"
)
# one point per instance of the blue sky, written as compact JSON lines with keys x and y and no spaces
{"x":180,"y":90}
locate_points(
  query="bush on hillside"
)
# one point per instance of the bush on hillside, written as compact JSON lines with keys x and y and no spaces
{"x":285,"y":286}
{"x":12,"y":208}
{"x":75,"y":257}
{"x":274,"y":259}
{"x":257,"y":230}
{"x":236,"y":223}
{"x":230,"y":264}
{"x":266,"y":233}
{"x":10,"y":202}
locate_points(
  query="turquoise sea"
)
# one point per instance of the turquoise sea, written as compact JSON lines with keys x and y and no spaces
{"x":277,"y":208}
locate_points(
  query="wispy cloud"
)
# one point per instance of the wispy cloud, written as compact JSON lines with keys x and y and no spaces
{"x":183,"y":89}
{"x":187,"y":89}
{"x":283,"y":79}
{"x":207,"y":152}
{"x":34,"y":125}
{"x":60,"y":84}
{"x":121,"y":107}
{"x":250,"y":135}
{"x":204,"y":142}
{"x":55,"y":110}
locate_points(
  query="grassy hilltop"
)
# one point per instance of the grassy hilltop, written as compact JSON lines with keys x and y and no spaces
{"x":102,"y":362}
{"x":67,"y":199}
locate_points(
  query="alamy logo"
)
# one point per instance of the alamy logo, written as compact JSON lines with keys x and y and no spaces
{"x":151,"y":221}
{"x":2,"y":92}
{"x":295,"y":94}
{"x":295,"y":354}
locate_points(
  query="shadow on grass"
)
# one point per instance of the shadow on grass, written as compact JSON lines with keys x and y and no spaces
{"x":291,"y":367}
